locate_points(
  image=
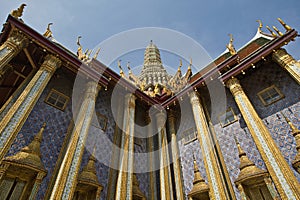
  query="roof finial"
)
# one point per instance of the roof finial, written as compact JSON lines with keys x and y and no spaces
{"x":48,"y":32}
{"x":80,"y":53}
{"x":287,"y":27}
{"x":272,"y":32}
{"x":230,"y":46}
{"x":18,"y":12}
{"x":260,"y":25}
{"x":120,"y":67}
{"x":180,"y":65}
{"x":97,"y":52}
{"x":277,"y":31}
{"x":128,"y":66}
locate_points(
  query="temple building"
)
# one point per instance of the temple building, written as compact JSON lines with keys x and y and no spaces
{"x":73,"y":128}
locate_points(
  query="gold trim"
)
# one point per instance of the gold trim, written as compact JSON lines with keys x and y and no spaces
{"x":259,"y":94}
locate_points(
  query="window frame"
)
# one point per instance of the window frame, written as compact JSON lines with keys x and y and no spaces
{"x":224,"y":113}
{"x":260,"y":93}
{"x":59,"y":95}
{"x":189,"y":131}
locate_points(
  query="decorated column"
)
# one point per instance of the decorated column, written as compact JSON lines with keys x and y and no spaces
{"x":175,"y":156}
{"x":166,"y":190}
{"x":286,"y":61}
{"x":214,"y":179}
{"x":66,"y":180}
{"x":11,"y":47}
{"x":13,"y":121}
{"x":281,"y":173}
{"x":124,"y":181}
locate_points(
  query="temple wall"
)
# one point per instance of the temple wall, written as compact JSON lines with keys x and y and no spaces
{"x":54,"y":133}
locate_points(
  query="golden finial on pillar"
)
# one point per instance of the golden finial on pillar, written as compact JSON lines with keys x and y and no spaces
{"x":89,"y":53}
{"x":277,"y":31}
{"x":128,"y":67}
{"x":260,"y":25}
{"x":287,"y":27}
{"x":97,"y":52}
{"x":180,"y":65}
{"x":272,"y":32}
{"x":230,"y":46}
{"x":296,"y":134}
{"x":120,"y":67}
{"x":18,"y":12}
{"x":48,"y":32}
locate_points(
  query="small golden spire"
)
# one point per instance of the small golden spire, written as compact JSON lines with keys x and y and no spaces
{"x":89,"y":53}
{"x":18,"y":12}
{"x":180,"y":65}
{"x":272,"y":32}
{"x":277,"y":31}
{"x":120,"y":67}
{"x":97,"y":52}
{"x":260,"y":25}
{"x":48,"y":32}
{"x":287,"y":27}
{"x":230,"y":46}
{"x":190,"y":65}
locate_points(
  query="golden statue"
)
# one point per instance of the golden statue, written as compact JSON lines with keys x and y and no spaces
{"x":156,"y":89}
{"x":287,"y":27}
{"x":48,"y":32}
{"x":18,"y":12}
{"x":260,"y":25}
{"x":230,"y":46}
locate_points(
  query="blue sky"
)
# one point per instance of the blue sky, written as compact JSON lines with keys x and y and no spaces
{"x":207,"y":22}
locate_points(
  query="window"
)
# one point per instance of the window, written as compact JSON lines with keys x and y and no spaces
{"x":189,"y":135}
{"x":227,"y":118}
{"x":270,"y":95}
{"x":57,"y":99}
{"x":11,"y":188}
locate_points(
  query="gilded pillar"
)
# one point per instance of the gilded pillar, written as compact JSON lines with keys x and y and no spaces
{"x":214,"y":178}
{"x":66,"y":180}
{"x":113,"y":172}
{"x":13,"y":121}
{"x":242,"y":192}
{"x":11,"y":47}
{"x":166,"y":192}
{"x":124,"y":181}
{"x":175,"y":156}
{"x":271,"y":188}
{"x":283,"y":177}
{"x":152,"y":160}
{"x":286,"y":61}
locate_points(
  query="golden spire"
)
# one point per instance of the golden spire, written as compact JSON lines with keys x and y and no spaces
{"x":136,"y":191}
{"x":190,"y":65}
{"x":97,"y":52}
{"x":230,"y":46}
{"x":199,"y":185}
{"x":296,"y":134}
{"x":30,"y":154}
{"x":272,"y":32}
{"x":180,"y":65}
{"x":260,"y":25}
{"x":18,"y":12}
{"x":277,"y":31}
{"x":247,"y":167}
{"x":287,"y":27}
{"x":48,"y":32}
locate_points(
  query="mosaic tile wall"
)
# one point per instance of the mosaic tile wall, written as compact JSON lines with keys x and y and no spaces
{"x":54,"y":133}
{"x":187,"y":150}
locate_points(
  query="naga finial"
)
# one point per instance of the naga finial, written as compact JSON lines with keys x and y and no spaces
{"x":48,"y":32}
{"x":271,"y":31}
{"x":230,"y":46}
{"x":260,"y":25}
{"x":277,"y":31}
{"x":287,"y":27}
{"x":80,"y":53}
{"x":18,"y":12}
